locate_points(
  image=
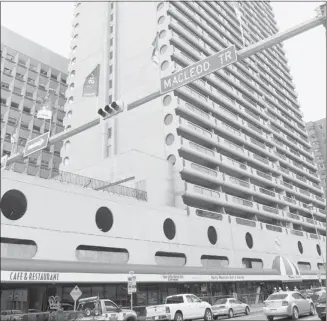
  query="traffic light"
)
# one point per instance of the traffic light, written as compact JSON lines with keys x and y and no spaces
{"x":111,"y":110}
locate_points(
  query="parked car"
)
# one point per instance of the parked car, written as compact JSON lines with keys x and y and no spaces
{"x":180,"y":307}
{"x":93,"y":306}
{"x":229,"y":307}
{"x":11,"y":315}
{"x":321,"y":307}
{"x":287,"y":304}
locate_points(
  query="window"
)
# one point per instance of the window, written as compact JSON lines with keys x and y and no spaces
{"x":109,"y":132}
{"x":304,"y":266}
{"x":189,"y":299}
{"x":110,"y":306}
{"x":195,"y":299}
{"x":249,"y":263}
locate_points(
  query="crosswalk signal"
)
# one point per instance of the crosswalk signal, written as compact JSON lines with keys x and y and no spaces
{"x":112,"y":109}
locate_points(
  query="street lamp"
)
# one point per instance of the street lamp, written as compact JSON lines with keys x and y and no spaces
{"x":310,"y":206}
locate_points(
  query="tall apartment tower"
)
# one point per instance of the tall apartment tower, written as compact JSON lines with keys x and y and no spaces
{"x":28,"y":72}
{"x":317,"y":136}
{"x":232,"y":142}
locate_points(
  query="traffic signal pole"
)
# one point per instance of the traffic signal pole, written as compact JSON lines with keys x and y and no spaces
{"x":242,"y":54}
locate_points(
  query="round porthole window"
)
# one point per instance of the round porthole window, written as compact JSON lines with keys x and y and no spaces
{"x":161,"y":20}
{"x":169,"y":228}
{"x":300,"y":247}
{"x":212,"y":235}
{"x":104,"y":219}
{"x":13,"y":204}
{"x":168,"y":119}
{"x":170,"y":139}
{"x":70,"y":100}
{"x":160,"y":6}
{"x":162,"y":34}
{"x":73,"y":61}
{"x":68,"y":127}
{"x":167,"y":100}
{"x":163,"y":49}
{"x":66,"y":161}
{"x":249,"y":240}
{"x":67,"y":145}
{"x":72,"y":73}
{"x":69,"y":114}
{"x":318,"y":249}
{"x":171,"y":159}
{"x":164,"y":65}
{"x":72,"y":86}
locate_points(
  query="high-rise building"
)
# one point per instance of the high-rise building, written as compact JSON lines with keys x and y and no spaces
{"x":317,"y":137}
{"x":223,"y":171}
{"x":28,"y":72}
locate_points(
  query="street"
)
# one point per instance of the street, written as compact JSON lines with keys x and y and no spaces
{"x":262,"y":317}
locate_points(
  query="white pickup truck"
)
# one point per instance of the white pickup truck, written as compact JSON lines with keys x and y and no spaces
{"x":180,"y":307}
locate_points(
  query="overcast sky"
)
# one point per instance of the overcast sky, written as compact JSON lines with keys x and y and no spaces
{"x":49,"y":24}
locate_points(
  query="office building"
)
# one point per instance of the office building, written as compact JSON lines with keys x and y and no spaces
{"x":223,"y":172}
{"x":28,"y":72}
{"x":317,"y":137}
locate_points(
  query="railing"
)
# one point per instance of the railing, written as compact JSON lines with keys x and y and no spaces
{"x":239,"y":182}
{"x":289,"y":200}
{"x":301,"y":178}
{"x":314,"y":236}
{"x":298,"y":233}
{"x":322,"y":211}
{"x":284,"y":170}
{"x":293,"y":216}
{"x":274,"y":228}
{"x":246,"y":222}
{"x":270,"y":209}
{"x":267,"y":192}
{"x":242,"y":201}
{"x":320,"y":199}
{"x":206,"y":192}
{"x":310,"y":220}
{"x":261,"y":159}
{"x":92,"y":183}
{"x":264,"y":175}
{"x":303,"y":191}
{"x":286,"y":184}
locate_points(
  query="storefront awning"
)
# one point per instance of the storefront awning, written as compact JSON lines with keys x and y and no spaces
{"x":285,"y":266}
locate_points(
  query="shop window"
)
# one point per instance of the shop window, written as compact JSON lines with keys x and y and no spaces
{"x":13,"y":204}
{"x":169,"y":228}
{"x":249,"y":263}
{"x":89,"y":253}
{"x":104,"y":219}
{"x":17,"y":248}
{"x":170,"y":259}
{"x":213,"y":261}
{"x":304,"y":266}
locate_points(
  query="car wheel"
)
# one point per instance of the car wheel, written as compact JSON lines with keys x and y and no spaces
{"x":208,"y":315}
{"x":270,"y":318}
{"x":312,"y":309}
{"x":295,"y":313}
{"x":178,"y":316}
{"x":247,"y":310}
{"x":87,"y":312}
{"x":230,"y":313}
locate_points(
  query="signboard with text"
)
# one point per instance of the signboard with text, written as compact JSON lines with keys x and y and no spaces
{"x":198,"y":70}
{"x":36,"y":144}
{"x":91,"y":84}
{"x":131,"y":283}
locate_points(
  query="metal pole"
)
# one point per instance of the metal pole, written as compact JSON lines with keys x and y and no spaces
{"x":242,"y":54}
{"x":132,"y":301}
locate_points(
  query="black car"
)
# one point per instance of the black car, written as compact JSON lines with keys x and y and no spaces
{"x":321,"y":307}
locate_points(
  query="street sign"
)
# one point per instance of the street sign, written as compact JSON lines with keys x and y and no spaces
{"x":131,"y":284}
{"x":36,"y":144}
{"x":75,"y":294}
{"x":199,"y":69}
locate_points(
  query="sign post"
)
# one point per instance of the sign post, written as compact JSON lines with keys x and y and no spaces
{"x":75,"y":294}
{"x":36,"y":144}
{"x":198,"y":70}
{"x":131,"y":286}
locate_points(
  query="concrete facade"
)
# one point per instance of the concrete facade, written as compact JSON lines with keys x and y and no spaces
{"x":317,"y":136}
{"x":28,"y":71}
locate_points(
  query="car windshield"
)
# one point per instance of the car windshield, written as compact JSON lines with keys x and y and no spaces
{"x":277,"y":296}
{"x":221,"y":301}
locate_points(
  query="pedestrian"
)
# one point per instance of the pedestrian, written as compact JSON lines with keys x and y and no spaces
{"x":280,"y":289}
{"x":296,"y":289}
{"x":275,"y":290}
{"x":287,"y":289}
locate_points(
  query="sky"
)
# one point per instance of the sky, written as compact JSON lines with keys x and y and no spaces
{"x":306,"y":52}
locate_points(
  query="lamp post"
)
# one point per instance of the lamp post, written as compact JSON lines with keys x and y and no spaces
{"x":310,"y":206}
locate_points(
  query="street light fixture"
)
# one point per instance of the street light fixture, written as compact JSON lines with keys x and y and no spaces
{"x":310,"y":206}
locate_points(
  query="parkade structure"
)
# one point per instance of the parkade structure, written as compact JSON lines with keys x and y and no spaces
{"x":224,"y":176}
